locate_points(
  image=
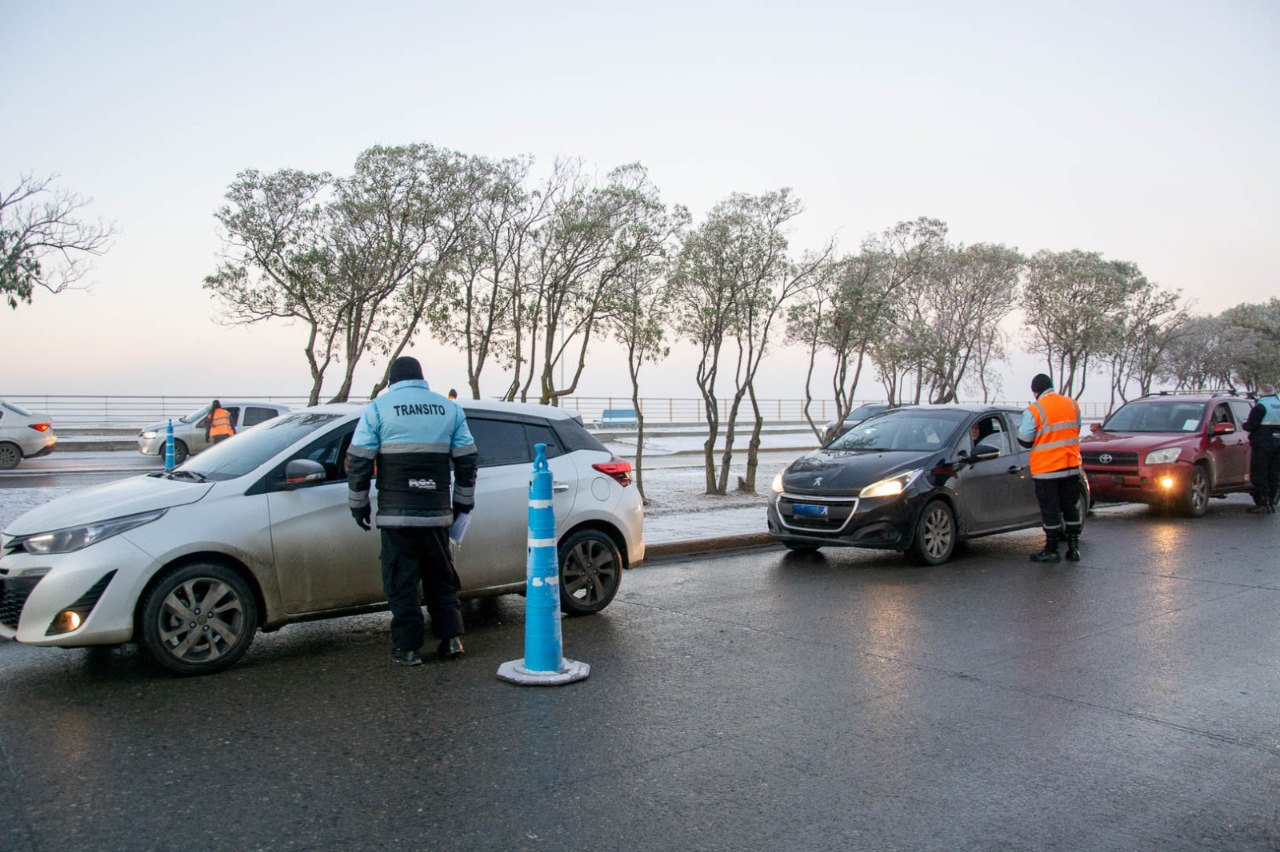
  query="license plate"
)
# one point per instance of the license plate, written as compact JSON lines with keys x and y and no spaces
{"x":807,"y":510}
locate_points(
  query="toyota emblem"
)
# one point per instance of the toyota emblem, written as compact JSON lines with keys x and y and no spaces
{"x":1105,"y":458}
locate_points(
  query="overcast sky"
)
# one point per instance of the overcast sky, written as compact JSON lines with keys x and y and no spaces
{"x":1146,"y":131}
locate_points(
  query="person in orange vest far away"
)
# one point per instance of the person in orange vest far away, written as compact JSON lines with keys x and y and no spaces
{"x":1051,"y":428}
{"x":218,"y":426}
{"x":453,"y":394}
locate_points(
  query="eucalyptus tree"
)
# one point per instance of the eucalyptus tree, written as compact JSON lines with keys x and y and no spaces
{"x":732,"y":278}
{"x":1199,"y":355}
{"x":968,"y":291}
{"x":1152,"y":320}
{"x":447,"y":209}
{"x":641,"y":316}
{"x":859,"y":304}
{"x":277,"y":260}
{"x":1253,"y":328}
{"x":1074,"y":303}
{"x":44,"y":242}
{"x":486,"y":285}
{"x":591,"y":238}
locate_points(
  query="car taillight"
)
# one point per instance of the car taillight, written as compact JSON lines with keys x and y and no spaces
{"x":40,"y":427}
{"x":619,"y":470}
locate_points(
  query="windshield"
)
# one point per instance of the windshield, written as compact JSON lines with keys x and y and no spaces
{"x":195,"y":415}
{"x":902,"y":431}
{"x":1157,"y":416}
{"x":245,"y":452}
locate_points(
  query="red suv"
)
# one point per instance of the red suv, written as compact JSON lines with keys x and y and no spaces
{"x":1170,"y":449}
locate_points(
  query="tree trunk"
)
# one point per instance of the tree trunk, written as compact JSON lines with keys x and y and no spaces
{"x":748,"y":484}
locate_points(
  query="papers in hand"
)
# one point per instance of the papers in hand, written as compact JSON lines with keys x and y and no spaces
{"x":459,"y":528}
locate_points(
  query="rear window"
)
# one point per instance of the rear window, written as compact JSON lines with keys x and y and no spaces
{"x":574,"y":436}
{"x":254,"y":415}
{"x":499,"y":442}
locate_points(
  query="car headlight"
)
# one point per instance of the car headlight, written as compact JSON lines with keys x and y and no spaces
{"x":891,"y":487}
{"x":777,"y":483}
{"x":149,"y":435}
{"x":77,"y":538}
{"x":1165,"y":456}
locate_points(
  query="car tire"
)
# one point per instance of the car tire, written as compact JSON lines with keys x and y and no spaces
{"x":590,"y":572}
{"x":180,"y":452}
{"x":10,"y":455}
{"x":177,"y":629}
{"x":1194,"y":500}
{"x":935,"y":536}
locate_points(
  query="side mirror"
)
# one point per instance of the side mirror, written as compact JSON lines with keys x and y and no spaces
{"x":1095,"y":428}
{"x":300,"y":473}
{"x":983,"y":452}
{"x":1224,"y":429}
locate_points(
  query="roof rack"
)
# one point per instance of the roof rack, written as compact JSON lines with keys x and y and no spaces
{"x":1198,"y":392}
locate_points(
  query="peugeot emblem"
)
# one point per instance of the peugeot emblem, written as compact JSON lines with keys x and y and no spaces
{"x":1105,"y":458}
{"x":817,"y":480}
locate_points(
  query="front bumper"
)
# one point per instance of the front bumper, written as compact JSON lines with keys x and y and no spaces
{"x":37,"y":588}
{"x":877,"y":523}
{"x":151,"y":446}
{"x":1153,"y":484}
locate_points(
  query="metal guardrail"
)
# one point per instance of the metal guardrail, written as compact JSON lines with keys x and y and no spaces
{"x":69,"y":410}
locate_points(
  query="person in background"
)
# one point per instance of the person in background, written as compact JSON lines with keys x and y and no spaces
{"x":411,"y":437}
{"x":453,"y":394}
{"x":1263,"y":426}
{"x":217,"y":426}
{"x":1051,"y":428}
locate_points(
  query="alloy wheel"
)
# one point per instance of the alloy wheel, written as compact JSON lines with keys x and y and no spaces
{"x":1199,"y":492}
{"x":937,"y":532}
{"x":201,"y":620}
{"x":590,"y":572}
{"x":9,"y":456}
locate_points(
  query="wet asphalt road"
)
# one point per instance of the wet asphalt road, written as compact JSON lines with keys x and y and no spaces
{"x":754,"y":701}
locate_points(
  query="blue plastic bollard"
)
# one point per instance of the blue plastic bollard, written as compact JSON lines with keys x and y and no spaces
{"x":544,"y":663}
{"x":168,"y":447}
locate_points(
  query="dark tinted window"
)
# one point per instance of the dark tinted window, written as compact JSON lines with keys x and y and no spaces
{"x":574,"y":436}
{"x":254,"y":415}
{"x":330,"y":451}
{"x":543,"y":435}
{"x":904,"y":430}
{"x":499,"y":442}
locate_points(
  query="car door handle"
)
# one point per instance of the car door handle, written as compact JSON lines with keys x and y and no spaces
{"x":559,"y":487}
{"x":1014,"y":469}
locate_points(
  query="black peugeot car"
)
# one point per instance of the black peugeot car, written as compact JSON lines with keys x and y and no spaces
{"x":920,"y":480}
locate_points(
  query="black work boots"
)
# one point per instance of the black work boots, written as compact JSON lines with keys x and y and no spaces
{"x":1073,"y":548}
{"x":450,"y":649}
{"x":1050,"y":553}
{"x":405,"y":658}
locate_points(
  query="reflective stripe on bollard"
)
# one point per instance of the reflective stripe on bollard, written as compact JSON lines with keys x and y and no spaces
{"x":543,"y":663}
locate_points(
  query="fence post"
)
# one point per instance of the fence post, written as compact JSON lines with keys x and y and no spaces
{"x":671,"y":413}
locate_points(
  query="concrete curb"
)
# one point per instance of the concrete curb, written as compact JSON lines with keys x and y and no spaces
{"x":707,"y":545}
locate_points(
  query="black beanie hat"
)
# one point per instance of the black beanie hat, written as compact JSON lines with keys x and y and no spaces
{"x":1040,"y":384}
{"x":403,"y":369}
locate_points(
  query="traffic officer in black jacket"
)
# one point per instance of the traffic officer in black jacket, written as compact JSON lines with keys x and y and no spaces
{"x":415,"y":437}
{"x":1263,"y":426}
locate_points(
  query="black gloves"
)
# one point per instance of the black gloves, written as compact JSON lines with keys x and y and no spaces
{"x":460,"y":509}
{"x":362,"y":516}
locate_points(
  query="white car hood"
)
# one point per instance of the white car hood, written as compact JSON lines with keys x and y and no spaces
{"x":113,"y":500}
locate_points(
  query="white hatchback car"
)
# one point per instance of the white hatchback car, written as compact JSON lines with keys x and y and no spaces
{"x":255,"y":533}
{"x":23,"y":435}
{"x":188,"y":431}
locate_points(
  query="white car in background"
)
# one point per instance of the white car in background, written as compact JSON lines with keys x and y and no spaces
{"x":255,"y":533}
{"x":23,"y":435}
{"x":188,"y":430}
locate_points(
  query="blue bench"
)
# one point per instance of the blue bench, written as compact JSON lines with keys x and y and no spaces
{"x":618,"y":417}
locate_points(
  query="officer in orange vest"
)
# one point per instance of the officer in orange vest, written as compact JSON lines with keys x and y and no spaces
{"x":218,"y":427}
{"x":1051,"y":428}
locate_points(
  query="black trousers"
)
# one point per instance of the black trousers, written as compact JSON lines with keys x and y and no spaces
{"x":1060,"y":504}
{"x":419,"y":558}
{"x":1264,"y":473}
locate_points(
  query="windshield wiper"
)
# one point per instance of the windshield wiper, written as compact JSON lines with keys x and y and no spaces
{"x":198,"y":477}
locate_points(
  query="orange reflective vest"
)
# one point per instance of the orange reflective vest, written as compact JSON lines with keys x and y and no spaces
{"x":1057,"y":444}
{"x":220,"y":423}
